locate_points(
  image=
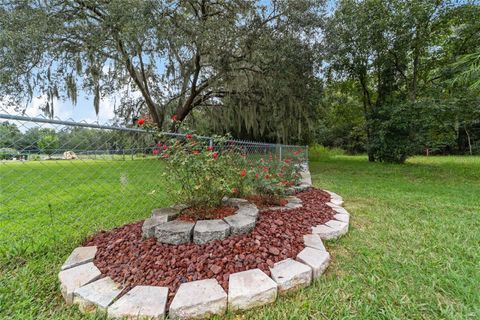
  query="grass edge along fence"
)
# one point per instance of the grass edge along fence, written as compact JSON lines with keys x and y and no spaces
{"x":69,"y":179}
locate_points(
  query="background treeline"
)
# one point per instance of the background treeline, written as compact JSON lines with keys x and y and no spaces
{"x":37,"y":140}
{"x":388,"y":78}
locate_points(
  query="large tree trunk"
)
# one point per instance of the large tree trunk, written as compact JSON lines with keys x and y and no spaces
{"x":371,"y":156}
{"x":367,"y":110}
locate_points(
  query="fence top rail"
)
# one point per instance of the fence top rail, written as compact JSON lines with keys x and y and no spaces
{"x":85,"y":124}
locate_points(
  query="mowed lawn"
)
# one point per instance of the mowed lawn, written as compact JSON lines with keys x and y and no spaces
{"x":413,"y":250}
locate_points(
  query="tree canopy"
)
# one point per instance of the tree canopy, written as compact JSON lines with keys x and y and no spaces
{"x":167,"y":57}
{"x":391,"y":78}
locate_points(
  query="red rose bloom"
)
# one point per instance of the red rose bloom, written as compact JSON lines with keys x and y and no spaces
{"x":215,"y":155}
{"x":209,"y":148}
{"x":189,"y":136}
{"x":174,"y":117}
{"x":159,"y":145}
{"x":256,"y":175}
{"x":267,"y":176}
{"x":141,"y":122}
{"x":243,"y":173}
{"x":155,"y":152}
{"x":165,"y":147}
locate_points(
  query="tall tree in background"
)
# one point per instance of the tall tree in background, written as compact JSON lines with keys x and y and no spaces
{"x":392,"y":50}
{"x":175,"y":55}
{"x":281,"y":98}
{"x":384,"y":46}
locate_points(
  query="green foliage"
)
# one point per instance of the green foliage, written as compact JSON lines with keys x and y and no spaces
{"x":317,"y":152}
{"x":270,"y":176}
{"x":397,"y":133}
{"x":204,"y":174}
{"x":468,"y":68}
{"x":385,"y":58}
{"x":341,"y":118}
{"x":202,"y":51}
{"x":10,"y":135}
{"x":8,"y":153}
{"x":48,"y":141}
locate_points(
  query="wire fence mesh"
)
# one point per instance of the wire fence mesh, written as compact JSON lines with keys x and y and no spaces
{"x":61,"y":181}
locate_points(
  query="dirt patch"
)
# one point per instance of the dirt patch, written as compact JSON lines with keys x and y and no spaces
{"x":263,"y":202}
{"x":194,"y":214}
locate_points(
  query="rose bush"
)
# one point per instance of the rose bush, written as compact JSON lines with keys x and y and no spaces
{"x":205,"y":174}
{"x":206,"y":170}
{"x":271,"y":176}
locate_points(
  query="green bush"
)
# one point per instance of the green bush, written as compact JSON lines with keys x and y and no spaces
{"x":397,"y":132}
{"x":34,"y":157}
{"x":205,"y":174}
{"x":8,"y":153}
{"x":269,"y":176}
{"x":317,"y":152}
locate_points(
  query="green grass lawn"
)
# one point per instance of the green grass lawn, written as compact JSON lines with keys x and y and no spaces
{"x":412,"y":251}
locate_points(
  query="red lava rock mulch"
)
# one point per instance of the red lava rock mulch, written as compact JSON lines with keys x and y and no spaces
{"x":131,"y":261}
{"x":194,"y":214}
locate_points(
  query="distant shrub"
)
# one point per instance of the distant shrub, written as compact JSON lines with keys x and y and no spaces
{"x":34,"y":157}
{"x":8,"y":153}
{"x":317,"y":152}
{"x":398,"y":131}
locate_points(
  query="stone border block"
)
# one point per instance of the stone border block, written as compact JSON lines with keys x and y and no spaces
{"x":73,"y":278}
{"x":293,"y":199}
{"x":338,"y":209}
{"x":234,"y":202}
{"x":342,"y":217}
{"x":250,"y":289}
{"x":306,"y":178}
{"x":302,"y":187}
{"x":148,"y":227}
{"x":339,"y":226}
{"x":96,"y":295}
{"x":313,"y":241}
{"x":248,"y":209}
{"x":199,"y":299}
{"x":174,"y":232}
{"x":291,"y":275}
{"x":80,"y":255}
{"x":316,"y":259}
{"x":162,"y":226}
{"x":142,"y":302}
{"x":240,"y":224}
{"x":325,"y":232}
{"x":209,"y":230}
{"x":293,"y":203}
{"x":169,"y":213}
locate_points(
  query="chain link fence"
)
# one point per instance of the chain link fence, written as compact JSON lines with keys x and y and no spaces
{"x":61,"y":181}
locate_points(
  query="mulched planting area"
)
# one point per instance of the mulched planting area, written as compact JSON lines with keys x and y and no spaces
{"x":131,"y":261}
{"x":194,"y":214}
{"x":265,"y":202}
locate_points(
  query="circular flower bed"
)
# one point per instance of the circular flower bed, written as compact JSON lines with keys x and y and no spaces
{"x":122,"y":273}
{"x":128,"y":259}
